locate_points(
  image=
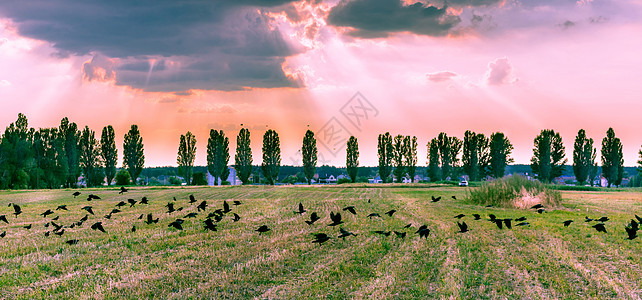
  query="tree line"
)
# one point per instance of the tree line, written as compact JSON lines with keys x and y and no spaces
{"x":56,"y":157}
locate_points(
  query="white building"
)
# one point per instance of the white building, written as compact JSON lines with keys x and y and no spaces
{"x":232,"y":178}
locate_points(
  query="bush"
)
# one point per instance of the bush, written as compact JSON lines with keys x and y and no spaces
{"x":199,"y":179}
{"x":175,"y":181}
{"x":123,"y":177}
{"x":344,"y":180}
{"x":514,"y":191}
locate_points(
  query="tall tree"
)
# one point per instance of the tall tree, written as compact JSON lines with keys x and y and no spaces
{"x":108,"y":152}
{"x":398,"y":152}
{"x":133,"y":153}
{"x":583,"y":156}
{"x":385,"y":153}
{"x":433,"y":160}
{"x":71,"y":135}
{"x":449,"y":148}
{"x":612,"y":158}
{"x":16,"y":154}
{"x":640,"y":162}
{"x":309,"y":152}
{"x":500,"y":151}
{"x":476,"y":156}
{"x":410,"y":156}
{"x":352,"y":158}
{"x":218,"y":155}
{"x":186,"y":156}
{"x":548,"y":155}
{"x":243,"y":158}
{"x":50,"y":159}
{"x":90,"y":160}
{"x":271,"y":156}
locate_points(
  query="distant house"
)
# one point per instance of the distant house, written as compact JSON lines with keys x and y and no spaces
{"x":375,"y":180}
{"x":232,"y":178}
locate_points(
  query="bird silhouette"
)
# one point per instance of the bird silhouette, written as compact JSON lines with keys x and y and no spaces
{"x":192,"y":199}
{"x":603,"y":219}
{"x":463,"y":227}
{"x":27,"y":226}
{"x":263,"y":229}
{"x":383,"y":232}
{"x":541,"y":210}
{"x":88,"y":209}
{"x":344,"y":233}
{"x":423,"y":231}
{"x":56,"y":218}
{"x":108,"y":216}
{"x":638,"y":218}
{"x":133,"y":228}
{"x":150,"y":219}
{"x":236,"y":217}
{"x":350,"y":209}
{"x":61,"y":207}
{"x":209,"y":225}
{"x":177,"y":224}
{"x":522,"y":224}
{"x":435,"y":199}
{"x":400,"y":234}
{"x":499,"y":223}
{"x":477,"y":216}
{"x":520,"y":219}
{"x":453,"y":196}
{"x":121,"y":204}
{"x":587,"y":219}
{"x":98,"y":226}
{"x":144,"y":200}
{"x":46,"y":213}
{"x":336,"y":219}
{"x":72,"y":242}
{"x":122,"y":190}
{"x":3,"y":218}
{"x":16,"y":208}
{"x":301,"y":210}
{"x":320,"y":238}
{"x":567,"y":223}
{"x":132,"y":202}
{"x":599,"y":227}
{"x":391,"y":212}
{"x":141,"y":216}
{"x":92,"y":197}
{"x":47,"y":233}
{"x":537,"y":206}
{"x":202,"y":206}
{"x":3,"y":234}
{"x":236,"y":202}
{"x":59,"y":233}
{"x":190,"y":215}
{"x":631,"y":232}
{"x":114,"y":211}
{"x":372,"y":215}
{"x":507,"y":223}
{"x":492,"y":217}
{"x":407,"y":225}
{"x":226,"y":207}
{"x":170,"y":207}
{"x":313,"y":218}
{"x":459,"y":216}
{"x":634,"y":225}
{"x":76,"y":194}
{"x":56,"y":226}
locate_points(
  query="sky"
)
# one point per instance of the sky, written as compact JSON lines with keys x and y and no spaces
{"x":336,"y":67}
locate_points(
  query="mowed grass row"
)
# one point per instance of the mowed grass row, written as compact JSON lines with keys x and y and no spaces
{"x":544,"y":260}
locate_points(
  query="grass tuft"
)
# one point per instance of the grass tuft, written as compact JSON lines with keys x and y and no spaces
{"x":514,"y":192}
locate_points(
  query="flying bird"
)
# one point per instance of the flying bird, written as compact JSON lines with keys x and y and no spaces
{"x":492,"y":217}
{"x":631,"y":232}
{"x":114,"y":211}
{"x":520,"y":219}
{"x":423,"y":231}
{"x":92,"y":197}
{"x":121,"y":204}
{"x":499,"y":223}
{"x":122,"y":190}
{"x":132,"y":202}
{"x":459,"y":216}
{"x":320,"y":238}
{"x":144,"y":200}
{"x":3,"y":218}
{"x":27,"y":227}
{"x":408,"y":225}
{"x":76,"y":194}
{"x":400,"y":234}
{"x":176,"y":224}
{"x":236,"y":217}
{"x":435,"y":199}
{"x":88,"y":209}
{"x":16,"y":208}
{"x":463,"y":227}
{"x":262,"y":229}
{"x":98,"y":226}
{"x":453,"y":196}
{"x":47,"y":233}
{"x":537,"y":206}
{"x":567,"y":223}
{"x":46,"y":213}
{"x":192,"y":199}
{"x":599,"y":227}
{"x":226,"y":207}
{"x":150,"y":219}
{"x":236,"y":202}
{"x":170,"y":207}
{"x":202,"y":206}
{"x":372,"y":215}
{"x":587,"y":219}
{"x":336,"y":219}
{"x":56,"y":218}
{"x":603,"y":219}
{"x":391,"y":212}
{"x":507,"y":222}
{"x":541,"y":210}
{"x":190,"y":215}
{"x":382,"y":232}
{"x":344,"y":233}
{"x":63,"y":207}
{"x":301,"y":210}
{"x":59,"y":233}
{"x":522,"y":224}
{"x":133,"y":228}
{"x":477,"y":216}
{"x":350,"y":209}
{"x":313,"y":218}
{"x":3,"y":234}
{"x":209,"y":225}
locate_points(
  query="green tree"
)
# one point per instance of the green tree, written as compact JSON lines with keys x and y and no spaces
{"x":309,"y":152}
{"x":449,"y":148}
{"x":108,"y":152}
{"x":398,"y":152}
{"x":271,"y":156}
{"x":499,"y":157}
{"x":199,"y":179}
{"x":133,"y":153}
{"x":433,"y":160}
{"x":352,"y":158}
{"x":640,"y":162}
{"x":548,"y":155}
{"x":475,"y":157}
{"x":186,"y":156}
{"x":583,"y":156}
{"x":16,"y":154}
{"x":90,"y":160}
{"x":50,"y":159}
{"x":243,"y":158}
{"x":385,"y":153}
{"x":612,"y":158}
{"x":123,"y":177}
{"x":410,"y":156}
{"x":71,"y":135}
{"x":218,"y":155}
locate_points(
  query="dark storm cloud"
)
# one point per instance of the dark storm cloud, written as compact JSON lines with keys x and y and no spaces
{"x":192,"y":44}
{"x":374,"y":18}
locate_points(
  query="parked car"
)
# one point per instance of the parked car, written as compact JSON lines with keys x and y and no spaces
{"x":463,"y":183}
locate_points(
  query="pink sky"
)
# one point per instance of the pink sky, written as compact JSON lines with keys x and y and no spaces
{"x":506,"y":66}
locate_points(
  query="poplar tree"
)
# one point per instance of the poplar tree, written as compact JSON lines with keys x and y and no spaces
{"x":309,"y":152}
{"x":352,"y":158}
{"x":410,"y":156}
{"x":548,"y":155}
{"x":433,"y":160}
{"x":108,"y":152}
{"x":90,"y":160}
{"x":218,"y":155}
{"x":398,"y":154}
{"x":186,"y":156}
{"x":583,"y":157}
{"x":70,"y":134}
{"x":133,"y":153}
{"x":385,"y":152}
{"x":612,"y":158}
{"x":499,"y":156}
{"x":271,"y":156}
{"x":243,"y":157}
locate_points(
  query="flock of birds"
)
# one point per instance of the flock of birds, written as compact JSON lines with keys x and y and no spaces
{"x":214,"y":217}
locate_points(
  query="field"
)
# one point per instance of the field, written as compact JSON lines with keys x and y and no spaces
{"x":543,"y":260}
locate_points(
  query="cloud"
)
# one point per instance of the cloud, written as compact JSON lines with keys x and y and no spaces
{"x":567,"y":24}
{"x":441,"y":76}
{"x":5,"y":82}
{"x":500,"y":72}
{"x":379,"y":18}
{"x":212,"y":45}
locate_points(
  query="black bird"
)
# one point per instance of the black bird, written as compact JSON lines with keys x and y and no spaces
{"x":72,"y":225}
{"x":631,"y":232}
{"x":537,"y":206}
{"x":59,"y":233}
{"x":344,"y":233}
{"x":121,"y":204}
{"x":382,"y":232}
{"x":170,"y":207}
{"x":56,"y":218}
{"x":218,"y":218}
{"x":368,"y":200}
{"x":350,"y":209}
{"x":400,"y":234}
{"x":435,"y":199}
{"x":372,"y":215}
{"x":477,"y":216}
{"x":202,"y":206}
{"x":336,"y":219}
{"x":72,"y":242}
{"x":16,"y":208}
{"x":144,"y":200}
{"x":507,"y":222}
{"x":56,"y":226}
{"x":236,"y":202}
{"x":408,"y":225}
{"x":215,"y":213}
{"x":47,"y":233}
{"x":133,"y":228}
{"x":122,"y":190}
{"x":587,"y":219}
{"x":301,"y":209}
{"x":114,"y":211}
{"x":492,"y":217}
{"x":599,"y":227}
{"x":132,"y":202}
{"x":190,"y":215}
{"x":638,"y":218}
{"x":226,"y":207}
{"x":541,"y":210}
{"x":567,"y":223}
{"x":391,"y":212}
{"x":192,"y":199}
{"x":176,"y":224}
{"x":174,"y":199}
{"x":320,"y":238}
{"x":262,"y":229}
{"x":520,"y":219}
{"x":603,"y":219}
{"x":3,"y":234}
{"x":92,"y":196}
{"x":423,"y":231}
{"x":209,"y":225}
{"x":459,"y":216}
{"x":522,"y":224}
{"x":46,"y":213}
{"x":313,"y":218}
{"x":76,"y":194}
{"x":63,"y":207}
{"x":46,"y":224}
{"x":3,"y":218}
{"x":98,"y":226}
{"x":489,"y":206}
{"x":108,"y":216}
{"x":141,"y":216}
{"x":88,"y":209}
{"x":499,"y":223}
{"x":463,"y":227}
{"x":236,"y":217}
{"x":453,"y":196}
{"x":27,"y":227}
{"x":634,"y":225}
{"x":150,"y":219}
